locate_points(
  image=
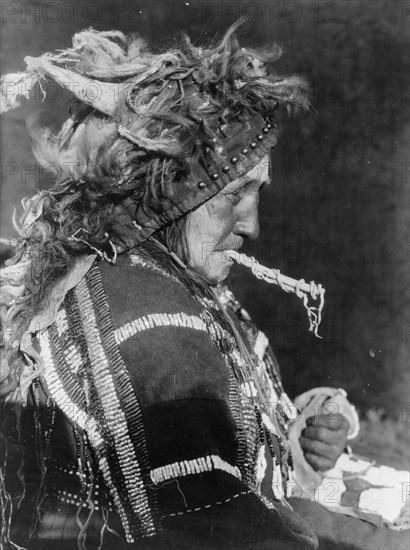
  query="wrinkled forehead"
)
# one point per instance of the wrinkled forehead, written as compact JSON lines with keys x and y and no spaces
{"x":259,"y":173}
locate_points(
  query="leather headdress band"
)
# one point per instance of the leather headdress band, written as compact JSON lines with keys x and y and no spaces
{"x":236,"y":149}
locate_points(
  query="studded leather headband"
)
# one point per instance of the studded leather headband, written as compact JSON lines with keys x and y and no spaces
{"x":236,"y":149}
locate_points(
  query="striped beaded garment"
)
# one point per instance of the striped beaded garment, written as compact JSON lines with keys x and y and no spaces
{"x":159,"y":416}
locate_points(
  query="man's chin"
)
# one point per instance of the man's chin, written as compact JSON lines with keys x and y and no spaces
{"x":220,"y":274}
{"x":215,"y":273}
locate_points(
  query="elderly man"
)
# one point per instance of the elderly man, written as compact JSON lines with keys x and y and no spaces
{"x":152,"y":405}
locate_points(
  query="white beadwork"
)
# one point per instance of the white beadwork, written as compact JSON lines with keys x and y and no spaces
{"x":61,"y":322}
{"x":72,"y":357}
{"x":150,"y":264}
{"x":113,"y":411}
{"x":194,"y":466}
{"x":158,"y":320}
{"x":55,"y":386}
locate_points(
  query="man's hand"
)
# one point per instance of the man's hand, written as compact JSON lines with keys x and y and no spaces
{"x":324,"y":439}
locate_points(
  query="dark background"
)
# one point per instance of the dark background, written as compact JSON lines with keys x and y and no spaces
{"x":338,"y":209}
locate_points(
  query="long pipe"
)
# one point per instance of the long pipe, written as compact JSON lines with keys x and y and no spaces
{"x":302,"y":289}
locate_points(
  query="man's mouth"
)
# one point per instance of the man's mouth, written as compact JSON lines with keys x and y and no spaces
{"x":225,"y":247}
{"x":226,"y":258}
{"x":220,"y":252}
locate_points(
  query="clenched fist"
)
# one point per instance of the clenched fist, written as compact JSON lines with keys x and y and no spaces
{"x":324,"y":439}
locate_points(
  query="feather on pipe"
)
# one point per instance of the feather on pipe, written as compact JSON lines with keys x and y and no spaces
{"x":302,"y":289}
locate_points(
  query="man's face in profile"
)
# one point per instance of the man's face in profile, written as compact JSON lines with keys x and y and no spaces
{"x":224,"y":222}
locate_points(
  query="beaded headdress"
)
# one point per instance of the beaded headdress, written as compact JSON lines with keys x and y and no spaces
{"x":151,"y":136}
{"x":156,"y":134}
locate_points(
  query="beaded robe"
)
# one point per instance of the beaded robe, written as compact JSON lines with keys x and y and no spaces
{"x":149,"y":416}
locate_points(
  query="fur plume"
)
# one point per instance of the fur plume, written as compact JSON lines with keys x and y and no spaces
{"x":15,"y":89}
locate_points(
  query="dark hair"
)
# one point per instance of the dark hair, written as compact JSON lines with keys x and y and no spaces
{"x":174,"y":237}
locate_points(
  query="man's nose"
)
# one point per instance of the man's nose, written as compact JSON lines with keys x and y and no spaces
{"x":248,"y":224}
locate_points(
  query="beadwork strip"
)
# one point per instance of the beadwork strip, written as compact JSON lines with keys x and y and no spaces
{"x":143,"y":260}
{"x":79,"y":417}
{"x":55,"y":386}
{"x":235,"y":406}
{"x":158,"y":320}
{"x":114,"y":415}
{"x":194,"y":466}
{"x":107,"y":459}
{"x":125,"y":390}
{"x":67,"y":358}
